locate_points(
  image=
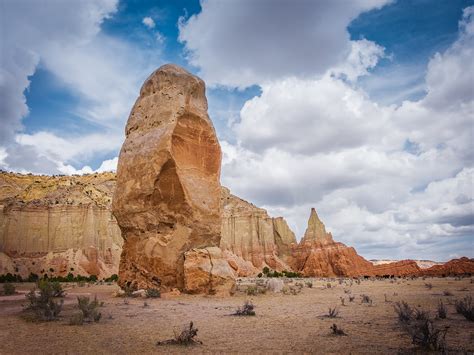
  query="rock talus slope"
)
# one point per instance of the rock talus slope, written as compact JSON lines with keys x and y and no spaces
{"x":167,"y":199}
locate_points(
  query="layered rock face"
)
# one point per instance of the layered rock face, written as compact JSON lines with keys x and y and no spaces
{"x":251,"y":239}
{"x":461,"y":266}
{"x":167,"y":199}
{"x":56,"y":225}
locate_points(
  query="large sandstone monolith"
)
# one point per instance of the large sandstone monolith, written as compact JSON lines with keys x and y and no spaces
{"x":167,"y":199}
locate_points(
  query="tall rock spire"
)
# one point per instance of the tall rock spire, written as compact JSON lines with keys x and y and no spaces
{"x":316,"y":230}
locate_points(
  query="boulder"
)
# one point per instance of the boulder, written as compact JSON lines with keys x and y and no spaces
{"x":275,"y":285}
{"x":207,"y":271}
{"x":167,"y":198}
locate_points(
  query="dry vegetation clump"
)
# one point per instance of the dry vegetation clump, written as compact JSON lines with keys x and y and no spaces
{"x":337,"y":331}
{"x":342,"y":301}
{"x":366,"y":299}
{"x":309,"y":284}
{"x":425,"y":335}
{"x":420,"y":314}
{"x":404,"y":312}
{"x":43,"y":305}
{"x":152,"y":293}
{"x":447,"y":293}
{"x":246,"y":310}
{"x":429,"y":286}
{"x":332,"y":312}
{"x":351,"y":298}
{"x":441,"y":310}
{"x":422,"y":330}
{"x":185,"y":338}
{"x":9,"y":289}
{"x":466,"y":308}
{"x":256,"y":290}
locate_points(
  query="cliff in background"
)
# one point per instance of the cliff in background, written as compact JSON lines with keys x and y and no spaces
{"x":58,"y":224}
{"x":61,"y":224}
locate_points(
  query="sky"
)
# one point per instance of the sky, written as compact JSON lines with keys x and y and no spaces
{"x":361,"y":109}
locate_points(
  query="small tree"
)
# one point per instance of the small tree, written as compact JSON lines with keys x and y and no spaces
{"x":43,"y":304}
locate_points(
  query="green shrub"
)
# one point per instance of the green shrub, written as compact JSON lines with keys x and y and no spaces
{"x":309,"y":284}
{"x":89,"y":308}
{"x":251,"y":291}
{"x":266,"y":270}
{"x":9,"y":289}
{"x":43,"y":305}
{"x":259,"y":275}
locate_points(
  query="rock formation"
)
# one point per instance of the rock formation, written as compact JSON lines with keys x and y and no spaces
{"x":461,"y":266}
{"x":58,"y":225}
{"x":319,"y":255}
{"x":316,"y":231}
{"x":167,"y":199}
{"x":206,"y":270}
{"x":251,"y":239}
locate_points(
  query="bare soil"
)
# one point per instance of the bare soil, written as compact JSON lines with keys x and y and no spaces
{"x":284,"y":323}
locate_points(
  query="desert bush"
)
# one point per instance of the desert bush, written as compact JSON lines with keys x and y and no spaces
{"x":351,"y":298}
{"x":145,"y":304}
{"x":152,"y":293}
{"x":386,"y":298}
{"x":366,"y":299}
{"x":186,"y":337}
{"x":76,"y":319}
{"x":347,"y":291}
{"x":328,"y":285}
{"x":336,"y":330}
{"x":266,"y":270}
{"x":465,"y":307}
{"x":259,"y":275}
{"x":251,"y":291}
{"x":425,"y":335}
{"x":57,"y":289}
{"x":447,"y":293}
{"x":309,"y":284}
{"x":420,"y":314}
{"x":43,"y":304}
{"x":332,"y":312}
{"x":246,"y":310}
{"x":441,"y":310}
{"x":429,"y":286}
{"x":404,"y":312}
{"x":9,"y":289}
{"x":89,"y":308}
{"x":342,"y":300}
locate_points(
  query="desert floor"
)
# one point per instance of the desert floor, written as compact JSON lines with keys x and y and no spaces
{"x":284,"y":323}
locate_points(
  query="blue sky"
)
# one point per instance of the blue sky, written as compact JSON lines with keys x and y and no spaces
{"x":362,"y":110}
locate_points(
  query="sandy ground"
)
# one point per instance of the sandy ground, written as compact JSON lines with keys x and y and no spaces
{"x":283,"y":323}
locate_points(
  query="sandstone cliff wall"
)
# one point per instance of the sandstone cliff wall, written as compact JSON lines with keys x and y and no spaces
{"x":58,"y":223}
{"x":251,"y":238}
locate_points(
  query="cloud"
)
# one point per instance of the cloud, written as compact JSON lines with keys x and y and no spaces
{"x":102,"y":72}
{"x":32,"y":30}
{"x":149,"y":22}
{"x":241,"y":43}
{"x":396,"y":177}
